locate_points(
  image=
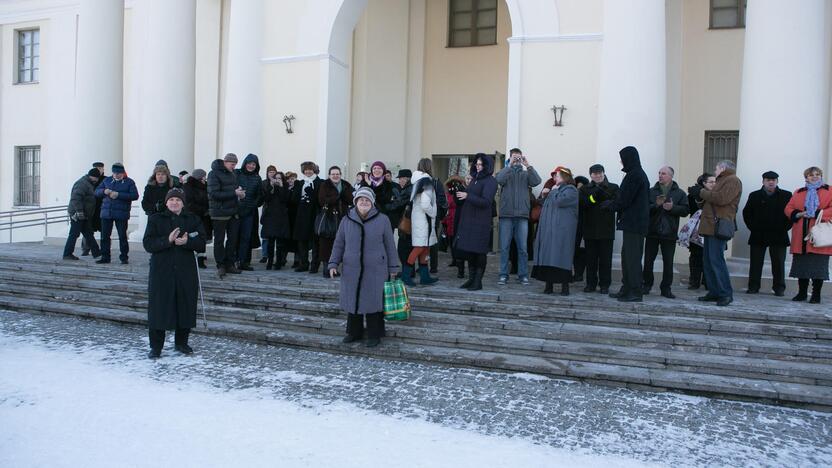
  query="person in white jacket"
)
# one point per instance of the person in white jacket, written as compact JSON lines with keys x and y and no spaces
{"x":423,"y":224}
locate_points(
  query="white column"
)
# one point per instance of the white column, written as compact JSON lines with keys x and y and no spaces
{"x":100,"y":83}
{"x":167,"y":54}
{"x":243,"y":121}
{"x":633,"y":96}
{"x":165,"y":49}
{"x":784,"y":110}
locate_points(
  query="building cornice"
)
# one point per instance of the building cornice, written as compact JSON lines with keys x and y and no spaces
{"x":303,"y":58}
{"x":22,"y":12}
{"x":557,"y":38}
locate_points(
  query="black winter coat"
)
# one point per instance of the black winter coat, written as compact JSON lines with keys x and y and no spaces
{"x":664,"y":224}
{"x":476,"y":215}
{"x":631,"y":203}
{"x":153,"y":199}
{"x":173,"y":285}
{"x":597,"y":223}
{"x":222,"y":198}
{"x":96,"y":216}
{"x":384,"y":196}
{"x":338,"y":202}
{"x":252,"y":184}
{"x":307,"y":208}
{"x":275,"y":219}
{"x":695,"y":202}
{"x":401,"y":197}
{"x":196,"y":197}
{"x":766,"y":219}
{"x":82,"y":198}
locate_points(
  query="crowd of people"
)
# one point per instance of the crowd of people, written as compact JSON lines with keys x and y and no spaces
{"x":365,"y":230}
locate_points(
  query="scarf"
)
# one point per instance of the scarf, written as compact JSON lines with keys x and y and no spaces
{"x":376,"y":182}
{"x":665,"y":189}
{"x":338,"y":187}
{"x":812,"y":200}
{"x":307,"y":182}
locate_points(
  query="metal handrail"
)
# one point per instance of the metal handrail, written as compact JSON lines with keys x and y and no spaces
{"x":37,"y":217}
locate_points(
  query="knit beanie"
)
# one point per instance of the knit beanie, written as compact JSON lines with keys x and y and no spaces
{"x":365,"y":192}
{"x":175,"y":193}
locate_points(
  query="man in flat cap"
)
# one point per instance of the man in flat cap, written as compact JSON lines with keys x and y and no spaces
{"x":764,"y":215}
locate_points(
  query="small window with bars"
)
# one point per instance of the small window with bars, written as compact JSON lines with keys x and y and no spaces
{"x":27,"y":180}
{"x":28,"y":56}
{"x":719,"y":146}
{"x":728,"y":14}
{"x":472,"y":23}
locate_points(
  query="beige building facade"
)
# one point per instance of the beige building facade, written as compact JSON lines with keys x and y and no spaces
{"x":685,"y":81}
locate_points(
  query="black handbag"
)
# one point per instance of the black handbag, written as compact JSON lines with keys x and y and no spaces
{"x":724,"y":229}
{"x":326,"y":223}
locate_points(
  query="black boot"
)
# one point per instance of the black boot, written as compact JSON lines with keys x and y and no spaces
{"x":313,"y":268}
{"x":564,"y":289}
{"x":280,"y":260}
{"x":471,"y":273}
{"x":476,"y":285}
{"x":460,"y":267}
{"x":549,"y":289}
{"x":201,"y":262}
{"x":695,"y":279}
{"x":270,"y":262}
{"x":802,"y":290}
{"x":817,"y":284}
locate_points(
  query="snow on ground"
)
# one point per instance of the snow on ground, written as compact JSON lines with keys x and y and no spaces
{"x":59,"y":408}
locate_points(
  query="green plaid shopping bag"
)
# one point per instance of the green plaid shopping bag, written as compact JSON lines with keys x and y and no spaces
{"x":396,"y":302}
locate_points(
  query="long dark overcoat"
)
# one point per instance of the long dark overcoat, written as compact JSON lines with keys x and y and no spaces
{"x":275,"y":219}
{"x":631,"y":202}
{"x":764,"y":215}
{"x":554,"y":245}
{"x":306,"y":201}
{"x":367,"y":252}
{"x":475,"y":217}
{"x":173,"y":285}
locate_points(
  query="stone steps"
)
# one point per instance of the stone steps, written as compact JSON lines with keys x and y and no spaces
{"x":778,"y":354}
{"x":651,"y":353}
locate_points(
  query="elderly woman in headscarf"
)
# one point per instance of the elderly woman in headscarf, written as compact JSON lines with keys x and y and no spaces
{"x":365,"y":249}
{"x":554,"y":247}
{"x":808,"y":261}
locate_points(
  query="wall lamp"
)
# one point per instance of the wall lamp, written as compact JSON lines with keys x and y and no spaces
{"x":287,"y":121}
{"x":558,"y":110}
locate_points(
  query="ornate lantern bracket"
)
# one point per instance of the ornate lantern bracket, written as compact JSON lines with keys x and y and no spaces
{"x":558,"y":111}
{"x":287,"y":121}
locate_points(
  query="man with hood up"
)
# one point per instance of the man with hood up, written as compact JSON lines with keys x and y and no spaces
{"x":633,"y":218}
{"x":248,"y":177}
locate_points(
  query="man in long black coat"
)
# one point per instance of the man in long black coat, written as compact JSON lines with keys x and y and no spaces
{"x":633,"y":218}
{"x":764,"y":214}
{"x":171,"y":238}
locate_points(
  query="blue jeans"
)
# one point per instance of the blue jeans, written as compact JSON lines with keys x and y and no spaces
{"x":264,"y":246}
{"x":716,"y":270}
{"x":517,"y":229}
{"x":246,"y":227}
{"x":107,"y":231}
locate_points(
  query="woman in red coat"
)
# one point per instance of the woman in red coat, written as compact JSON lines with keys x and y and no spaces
{"x":809,"y":262}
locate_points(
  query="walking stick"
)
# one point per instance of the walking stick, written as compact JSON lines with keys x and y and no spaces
{"x":201,"y":296}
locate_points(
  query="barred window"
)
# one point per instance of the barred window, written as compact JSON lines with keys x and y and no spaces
{"x":472,"y":23}
{"x":27,"y":180}
{"x":720,"y":145}
{"x":728,"y":14}
{"x":28,"y":56}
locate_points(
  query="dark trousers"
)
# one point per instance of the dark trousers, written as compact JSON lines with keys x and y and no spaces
{"x":77,"y":228}
{"x":375,"y":325}
{"x":434,"y":257}
{"x":107,"y":231}
{"x":651,"y":250}
{"x":404,"y":246}
{"x":579,"y":261}
{"x":244,"y":250}
{"x":717,"y":278}
{"x":697,"y":274}
{"x":598,"y":262}
{"x":226,"y":233}
{"x":157,"y":337}
{"x":315,"y":247}
{"x":777,"y":254}
{"x":632,"y":250}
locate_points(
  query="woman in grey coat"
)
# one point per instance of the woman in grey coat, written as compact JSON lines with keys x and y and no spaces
{"x":554,"y":246}
{"x":364,"y":247}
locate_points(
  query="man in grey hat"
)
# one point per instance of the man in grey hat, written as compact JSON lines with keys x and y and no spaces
{"x":764,"y":214}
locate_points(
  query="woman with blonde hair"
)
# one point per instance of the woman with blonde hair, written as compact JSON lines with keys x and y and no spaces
{"x":808,"y":261}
